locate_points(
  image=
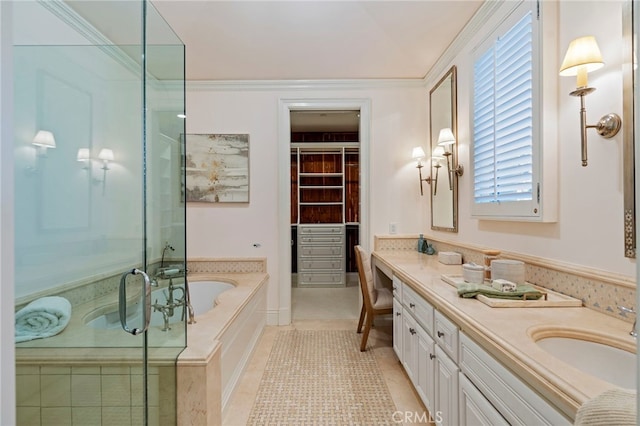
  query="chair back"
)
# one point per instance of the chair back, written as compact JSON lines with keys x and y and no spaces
{"x":363,"y":262}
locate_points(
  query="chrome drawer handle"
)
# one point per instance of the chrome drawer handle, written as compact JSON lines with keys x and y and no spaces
{"x":412,"y":331}
{"x":398,"y":314}
{"x":412,"y":305}
{"x":440,"y":334}
{"x":431,"y":356}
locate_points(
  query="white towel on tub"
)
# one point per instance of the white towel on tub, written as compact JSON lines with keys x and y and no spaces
{"x":44,"y":317}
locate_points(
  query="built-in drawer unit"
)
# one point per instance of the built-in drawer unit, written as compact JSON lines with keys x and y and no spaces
{"x":514,"y":399}
{"x":421,"y":310}
{"x":446,"y":335}
{"x":321,"y":255}
{"x":397,"y":287}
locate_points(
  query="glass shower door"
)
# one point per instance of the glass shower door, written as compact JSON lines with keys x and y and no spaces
{"x":96,"y":198}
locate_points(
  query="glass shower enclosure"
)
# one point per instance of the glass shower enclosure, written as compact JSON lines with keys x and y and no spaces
{"x":99,"y":104}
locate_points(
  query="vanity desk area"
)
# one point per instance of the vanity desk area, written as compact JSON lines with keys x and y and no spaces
{"x":475,"y":364}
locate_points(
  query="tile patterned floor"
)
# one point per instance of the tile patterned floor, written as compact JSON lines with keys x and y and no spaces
{"x":407,"y":404}
{"x":321,"y":377}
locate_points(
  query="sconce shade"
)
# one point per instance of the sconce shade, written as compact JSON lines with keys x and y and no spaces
{"x":446,"y":137}
{"x":83,"y":154}
{"x":438,"y":153}
{"x":582,"y":57}
{"x":106,"y":154}
{"x":418,"y":153}
{"x":45,"y":139}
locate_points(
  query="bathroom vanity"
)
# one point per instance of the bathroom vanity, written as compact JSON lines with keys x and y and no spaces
{"x":471,"y":363}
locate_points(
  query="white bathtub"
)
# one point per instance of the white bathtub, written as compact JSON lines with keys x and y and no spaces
{"x":203,"y":298}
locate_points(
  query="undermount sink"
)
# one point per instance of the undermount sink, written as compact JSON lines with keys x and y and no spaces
{"x":607,"y":362}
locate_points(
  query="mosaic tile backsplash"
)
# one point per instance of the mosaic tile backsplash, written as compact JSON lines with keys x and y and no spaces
{"x":601,"y":295}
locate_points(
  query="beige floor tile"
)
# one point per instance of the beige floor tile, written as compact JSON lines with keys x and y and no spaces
{"x":323,"y":317}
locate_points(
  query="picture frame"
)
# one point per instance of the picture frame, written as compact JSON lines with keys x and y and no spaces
{"x":217,"y":167}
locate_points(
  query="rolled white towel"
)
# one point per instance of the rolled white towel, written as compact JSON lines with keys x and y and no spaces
{"x":44,"y":317}
{"x":503,"y":285}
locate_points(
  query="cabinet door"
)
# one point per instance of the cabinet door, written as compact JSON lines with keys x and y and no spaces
{"x":425,"y":368}
{"x":409,"y":344}
{"x":475,"y":409}
{"x":397,"y":328}
{"x":446,"y":400}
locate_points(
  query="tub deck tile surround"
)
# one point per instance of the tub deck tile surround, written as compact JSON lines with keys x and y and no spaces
{"x":508,"y":333}
{"x":78,"y":351}
{"x":599,"y":290}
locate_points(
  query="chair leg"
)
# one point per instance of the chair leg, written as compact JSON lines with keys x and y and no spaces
{"x":362,"y":313}
{"x":365,"y":335}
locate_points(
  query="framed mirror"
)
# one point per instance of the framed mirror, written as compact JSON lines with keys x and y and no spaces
{"x":443,"y":156}
{"x":629,"y":23}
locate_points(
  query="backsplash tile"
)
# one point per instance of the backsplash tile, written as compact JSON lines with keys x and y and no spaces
{"x":597,"y":291}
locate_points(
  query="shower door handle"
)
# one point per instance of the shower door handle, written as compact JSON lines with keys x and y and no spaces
{"x":146,"y":302}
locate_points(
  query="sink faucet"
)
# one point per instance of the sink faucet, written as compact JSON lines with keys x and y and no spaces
{"x":624,"y":310}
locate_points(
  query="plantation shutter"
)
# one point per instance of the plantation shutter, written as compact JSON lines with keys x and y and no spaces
{"x":503,"y":118}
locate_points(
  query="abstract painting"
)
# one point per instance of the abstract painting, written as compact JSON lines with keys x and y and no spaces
{"x":217,"y":168}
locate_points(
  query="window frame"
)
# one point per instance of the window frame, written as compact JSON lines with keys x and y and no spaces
{"x":524,"y":210}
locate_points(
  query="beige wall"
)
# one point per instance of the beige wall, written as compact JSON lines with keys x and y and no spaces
{"x":590,"y":227}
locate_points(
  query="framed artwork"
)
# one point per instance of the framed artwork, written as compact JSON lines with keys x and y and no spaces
{"x":217,"y":168}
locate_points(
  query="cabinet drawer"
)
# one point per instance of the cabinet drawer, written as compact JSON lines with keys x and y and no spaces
{"x":446,"y":335}
{"x":475,"y":409}
{"x":397,"y":286}
{"x":321,"y":251}
{"x":320,"y":264}
{"x":514,"y":399}
{"x":320,"y":278}
{"x":321,"y":229}
{"x":421,"y":310}
{"x":321,"y":239}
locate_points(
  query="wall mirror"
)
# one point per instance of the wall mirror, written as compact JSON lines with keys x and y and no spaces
{"x":443,"y":161}
{"x":629,"y":25}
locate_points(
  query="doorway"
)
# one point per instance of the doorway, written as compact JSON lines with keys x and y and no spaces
{"x":323,"y":188}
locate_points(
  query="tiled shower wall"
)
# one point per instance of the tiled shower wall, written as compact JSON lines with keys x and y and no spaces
{"x":93,"y":395}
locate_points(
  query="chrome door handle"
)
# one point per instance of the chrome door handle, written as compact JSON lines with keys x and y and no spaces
{"x":146,"y":302}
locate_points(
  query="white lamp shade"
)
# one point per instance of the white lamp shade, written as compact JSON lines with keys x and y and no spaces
{"x":106,"y":154}
{"x":45,"y":139}
{"x":446,"y":137}
{"x":83,"y":154}
{"x":438,"y":153}
{"x":582,"y":52}
{"x":418,"y":153}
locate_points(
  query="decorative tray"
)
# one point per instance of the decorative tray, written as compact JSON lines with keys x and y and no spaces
{"x":549,"y":299}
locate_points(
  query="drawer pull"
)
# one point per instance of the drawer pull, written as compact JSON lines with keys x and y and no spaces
{"x":431,"y":356}
{"x":395,"y":288}
{"x":412,"y":331}
{"x":440,"y":334}
{"x":412,"y":305}
{"x":398,"y":314}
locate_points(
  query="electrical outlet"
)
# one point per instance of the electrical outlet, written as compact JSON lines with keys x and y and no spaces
{"x":393,"y":228}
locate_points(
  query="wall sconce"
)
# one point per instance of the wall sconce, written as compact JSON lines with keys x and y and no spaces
{"x":445,"y":140}
{"x":105,"y":155}
{"x":84,"y":157}
{"x":582,"y":57}
{"x":44,"y":140}
{"x":418,"y":154}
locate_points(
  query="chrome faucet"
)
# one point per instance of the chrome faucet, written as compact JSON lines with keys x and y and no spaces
{"x":624,"y":310}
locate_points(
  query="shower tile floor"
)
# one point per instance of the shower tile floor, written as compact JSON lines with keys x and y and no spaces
{"x":327,"y":309}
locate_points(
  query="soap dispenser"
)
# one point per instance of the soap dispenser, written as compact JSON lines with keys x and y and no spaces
{"x":421,"y":243}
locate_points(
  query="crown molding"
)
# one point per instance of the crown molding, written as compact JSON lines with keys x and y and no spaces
{"x":279,"y":85}
{"x":488,"y":8}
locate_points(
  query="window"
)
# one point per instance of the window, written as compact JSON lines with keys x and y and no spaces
{"x":505,"y":119}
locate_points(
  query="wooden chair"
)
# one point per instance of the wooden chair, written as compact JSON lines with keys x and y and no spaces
{"x":376,"y":301}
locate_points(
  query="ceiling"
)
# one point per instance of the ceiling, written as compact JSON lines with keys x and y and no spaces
{"x":314,"y":40}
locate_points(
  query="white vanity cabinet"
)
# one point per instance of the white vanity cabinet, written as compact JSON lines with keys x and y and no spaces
{"x":512,"y":398}
{"x":398,"y":328}
{"x":475,"y":409}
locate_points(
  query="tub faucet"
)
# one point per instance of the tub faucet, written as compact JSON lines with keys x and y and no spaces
{"x":624,"y":310}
